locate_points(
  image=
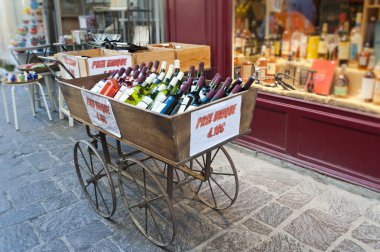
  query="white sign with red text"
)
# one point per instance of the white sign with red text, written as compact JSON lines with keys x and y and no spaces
{"x":214,"y":124}
{"x":107,"y":64}
{"x":72,"y":64}
{"x":99,"y":110}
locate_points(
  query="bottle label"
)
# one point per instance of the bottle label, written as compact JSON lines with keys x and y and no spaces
{"x":367,"y":88}
{"x":340,"y":90}
{"x":126,"y":94}
{"x":144,"y":103}
{"x":246,"y":71}
{"x":285,"y":48}
{"x":353,"y":51}
{"x":271,"y":69}
{"x":376,"y":94}
{"x":363,"y":61}
{"x":161,"y":87}
{"x":277,"y":48}
{"x":322,"y":47}
{"x":344,"y":51}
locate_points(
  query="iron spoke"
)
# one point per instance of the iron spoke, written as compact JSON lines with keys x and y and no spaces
{"x":138,"y":188}
{"x":92,"y":165}
{"x":221,"y":188}
{"x":162,"y":217}
{"x":212,"y":159}
{"x":212,"y":193}
{"x":200,"y":185}
{"x":101,"y":196}
{"x":96,"y":198}
{"x":146,"y":220}
{"x":85,"y":160}
{"x":199,"y":163}
{"x":204,"y":161}
{"x":83,"y":169}
{"x":155,"y":223}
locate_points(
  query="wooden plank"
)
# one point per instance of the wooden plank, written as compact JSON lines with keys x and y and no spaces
{"x":153,"y":54}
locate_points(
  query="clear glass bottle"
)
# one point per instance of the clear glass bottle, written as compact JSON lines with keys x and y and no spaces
{"x":368,"y":83}
{"x":341,"y":84}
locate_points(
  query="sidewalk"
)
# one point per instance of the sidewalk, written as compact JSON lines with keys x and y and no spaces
{"x":278,"y":209}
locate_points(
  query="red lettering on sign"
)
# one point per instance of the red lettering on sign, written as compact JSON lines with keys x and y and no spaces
{"x":102,"y":107}
{"x":218,"y":129}
{"x":224,"y":113}
{"x":98,"y":64}
{"x":204,"y":120}
{"x":91,"y":102}
{"x":101,"y":118}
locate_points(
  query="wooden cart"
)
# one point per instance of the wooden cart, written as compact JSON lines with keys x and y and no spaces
{"x":185,"y":149}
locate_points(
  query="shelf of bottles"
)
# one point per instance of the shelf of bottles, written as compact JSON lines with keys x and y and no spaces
{"x":297,"y":44}
{"x":167,"y":90}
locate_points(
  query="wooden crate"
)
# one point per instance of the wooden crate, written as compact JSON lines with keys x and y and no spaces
{"x":164,"y":137}
{"x":83,"y":63}
{"x":190,"y":54}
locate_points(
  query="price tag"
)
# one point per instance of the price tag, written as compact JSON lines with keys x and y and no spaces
{"x":72,"y":64}
{"x":214,"y":124}
{"x":99,"y":110}
{"x":106,"y":64}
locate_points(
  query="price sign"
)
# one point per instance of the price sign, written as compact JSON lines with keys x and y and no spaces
{"x":72,"y":64}
{"x":214,"y":124}
{"x":107,"y":64}
{"x":99,"y":110}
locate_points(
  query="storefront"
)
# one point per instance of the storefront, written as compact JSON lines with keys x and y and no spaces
{"x":339,"y":137}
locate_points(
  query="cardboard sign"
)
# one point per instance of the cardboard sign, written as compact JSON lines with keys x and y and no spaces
{"x":324,"y":75}
{"x":99,"y":110}
{"x":214,"y":124}
{"x":72,"y":64}
{"x":106,"y":64}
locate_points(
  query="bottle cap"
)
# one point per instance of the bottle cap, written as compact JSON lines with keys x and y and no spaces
{"x":150,"y":64}
{"x":201,"y":82}
{"x":191,"y":70}
{"x":156,"y":63}
{"x":176,"y":63}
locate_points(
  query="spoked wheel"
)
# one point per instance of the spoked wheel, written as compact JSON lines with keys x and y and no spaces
{"x":95,"y":179}
{"x":221,"y":189}
{"x":161,"y":169}
{"x":147,"y":202}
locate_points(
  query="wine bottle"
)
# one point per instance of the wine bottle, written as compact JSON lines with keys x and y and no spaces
{"x":213,"y":90}
{"x":149,"y":66}
{"x":178,"y":98}
{"x":177,"y":67}
{"x":154,"y":68}
{"x":231,"y":87}
{"x":135,"y":94}
{"x":238,"y":88}
{"x":200,"y":73}
{"x":172,"y":101}
{"x":127,"y":72}
{"x":163,"y":67}
{"x":172,"y":88}
{"x":99,"y":86}
{"x":205,"y":89}
{"x":222,"y":91}
{"x":162,"y":85}
{"x":111,"y":86}
{"x":193,"y":96}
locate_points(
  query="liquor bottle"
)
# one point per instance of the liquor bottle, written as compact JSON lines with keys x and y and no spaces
{"x":277,"y":40}
{"x":237,"y":82}
{"x":364,"y":56}
{"x":173,"y":102}
{"x":222,"y":92}
{"x":212,"y":91}
{"x":370,"y":32}
{"x":344,"y":46}
{"x":376,"y":93}
{"x":297,"y":42}
{"x":262,"y":63}
{"x":200,"y":73}
{"x":286,"y":38}
{"x":154,"y":68}
{"x":341,"y":85}
{"x":246,"y":69}
{"x":355,"y":41}
{"x":156,"y":88}
{"x":322,"y":46}
{"x":193,"y":96}
{"x":158,"y":102}
{"x":206,"y":88}
{"x":248,"y":83}
{"x":177,"y":67}
{"x":112,"y":86}
{"x":271,"y":69}
{"x":368,"y":83}
{"x":135,"y":93}
{"x":312,"y":46}
{"x":342,"y":20}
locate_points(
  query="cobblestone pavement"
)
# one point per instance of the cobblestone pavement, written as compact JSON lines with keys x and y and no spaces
{"x":279,"y":208}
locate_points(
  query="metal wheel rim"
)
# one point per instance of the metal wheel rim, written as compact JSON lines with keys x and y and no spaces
{"x":95,"y":202}
{"x":197,"y":190}
{"x":133,"y":216}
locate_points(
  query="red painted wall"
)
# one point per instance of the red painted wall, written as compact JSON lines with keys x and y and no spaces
{"x":206,"y":22}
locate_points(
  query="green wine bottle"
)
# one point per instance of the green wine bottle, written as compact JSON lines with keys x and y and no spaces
{"x":137,"y":94}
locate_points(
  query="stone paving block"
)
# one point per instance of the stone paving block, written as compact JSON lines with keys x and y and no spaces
{"x":58,"y":201}
{"x":238,"y":238}
{"x":19,"y":237}
{"x":316,"y":228}
{"x":65,"y":220}
{"x":58,"y":169}
{"x":280,"y":242}
{"x":14,"y":170}
{"x":302,"y":194}
{"x":374,"y":213}
{"x":273,"y":214}
{"x":69,"y":181}
{"x":192,"y":228}
{"x":33,"y":192}
{"x":4,"y":203}
{"x":246,"y":203}
{"x":343,"y":205}
{"x":348,"y":246}
{"x":13,"y":183}
{"x":55,"y":245}
{"x":368,"y":234}
{"x":257,"y":227}
{"x":14,"y":216}
{"x":41,"y":160}
{"x":132,"y":240}
{"x":85,"y":237}
{"x":104,"y":245}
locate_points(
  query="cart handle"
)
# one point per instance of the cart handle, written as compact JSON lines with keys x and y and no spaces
{"x":59,"y":62}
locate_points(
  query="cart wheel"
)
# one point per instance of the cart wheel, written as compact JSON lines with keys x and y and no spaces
{"x":147,"y":202}
{"x":160,"y":169}
{"x":95,"y":178}
{"x":221,"y":189}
